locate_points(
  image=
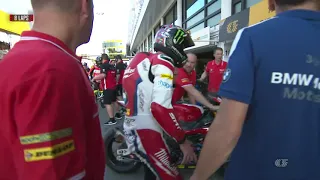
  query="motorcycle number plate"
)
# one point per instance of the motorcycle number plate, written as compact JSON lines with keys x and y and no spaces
{"x":123,"y":152}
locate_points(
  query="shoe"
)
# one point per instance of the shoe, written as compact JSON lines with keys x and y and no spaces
{"x":110,"y":122}
{"x":118,"y":116}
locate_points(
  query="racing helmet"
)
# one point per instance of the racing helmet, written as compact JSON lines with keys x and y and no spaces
{"x":98,"y":60}
{"x":105,"y":58}
{"x":172,"y":40}
{"x":112,"y":61}
{"x":118,"y":58}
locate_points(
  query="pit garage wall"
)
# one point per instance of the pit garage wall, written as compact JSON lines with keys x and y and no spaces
{"x":247,"y":17}
{"x":256,"y":14}
{"x":206,"y":41}
{"x":226,"y":11}
{"x":148,"y":20}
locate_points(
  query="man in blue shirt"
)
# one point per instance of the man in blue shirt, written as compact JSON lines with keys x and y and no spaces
{"x":270,"y":113}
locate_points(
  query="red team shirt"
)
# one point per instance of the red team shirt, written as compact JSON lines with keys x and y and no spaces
{"x":110,"y":81}
{"x":183,"y":79}
{"x":96,"y":71}
{"x":215,"y":72}
{"x":121,"y":67}
{"x":49,"y":120}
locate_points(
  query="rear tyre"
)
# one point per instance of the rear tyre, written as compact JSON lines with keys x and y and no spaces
{"x":129,"y":166}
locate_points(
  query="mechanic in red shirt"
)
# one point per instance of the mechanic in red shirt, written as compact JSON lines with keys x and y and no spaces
{"x":121,"y":67}
{"x":214,"y":70}
{"x":185,"y":79}
{"x":104,"y":60}
{"x":49,"y":121}
{"x":108,"y":76}
{"x":95,"y":71}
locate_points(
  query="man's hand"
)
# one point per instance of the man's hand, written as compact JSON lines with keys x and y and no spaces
{"x":203,"y":76}
{"x":200,"y":80}
{"x":99,"y":77}
{"x":213,"y":108}
{"x":198,"y":96}
{"x":188,"y":153}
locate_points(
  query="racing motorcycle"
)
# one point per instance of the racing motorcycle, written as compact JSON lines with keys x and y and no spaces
{"x":194,"y":120}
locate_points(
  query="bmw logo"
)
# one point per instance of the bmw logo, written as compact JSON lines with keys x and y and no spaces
{"x":226,"y":75}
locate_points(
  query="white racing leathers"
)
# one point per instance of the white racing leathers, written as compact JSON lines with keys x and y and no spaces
{"x":147,"y":85}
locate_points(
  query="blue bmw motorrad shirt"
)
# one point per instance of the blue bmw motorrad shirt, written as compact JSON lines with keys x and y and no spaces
{"x":274,"y":67}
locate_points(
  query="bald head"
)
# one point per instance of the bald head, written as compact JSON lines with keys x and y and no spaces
{"x":191,"y":62}
{"x":61,"y":5}
{"x":192,"y":56}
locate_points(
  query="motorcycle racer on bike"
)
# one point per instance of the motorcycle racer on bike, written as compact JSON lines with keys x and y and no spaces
{"x":95,"y":71}
{"x":148,"y":84}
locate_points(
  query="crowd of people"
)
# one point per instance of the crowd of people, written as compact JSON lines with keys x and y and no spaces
{"x":268,"y":118}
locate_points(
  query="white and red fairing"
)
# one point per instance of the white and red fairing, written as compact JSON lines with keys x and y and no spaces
{"x":141,"y":94}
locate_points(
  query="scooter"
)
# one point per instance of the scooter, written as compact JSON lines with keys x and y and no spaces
{"x":193,"y":119}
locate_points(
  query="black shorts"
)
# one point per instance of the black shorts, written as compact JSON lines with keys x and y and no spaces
{"x":119,"y":90}
{"x":109,"y":96}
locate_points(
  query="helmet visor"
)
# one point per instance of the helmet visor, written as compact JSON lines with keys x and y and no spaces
{"x":188,"y":42}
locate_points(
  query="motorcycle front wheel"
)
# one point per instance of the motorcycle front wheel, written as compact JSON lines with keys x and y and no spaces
{"x":119,"y":166}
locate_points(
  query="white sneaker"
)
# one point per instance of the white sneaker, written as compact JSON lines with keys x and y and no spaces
{"x":109,"y":123}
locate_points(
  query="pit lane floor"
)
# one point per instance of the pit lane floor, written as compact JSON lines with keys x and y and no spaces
{"x":111,"y":175}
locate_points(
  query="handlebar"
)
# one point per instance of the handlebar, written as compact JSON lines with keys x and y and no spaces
{"x":213,"y":98}
{"x":201,"y":82}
